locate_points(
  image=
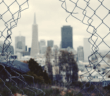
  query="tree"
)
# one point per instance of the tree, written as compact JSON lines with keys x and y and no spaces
{"x":35,"y":68}
{"x":55,"y":55}
{"x":48,"y":56}
{"x":46,"y":77}
{"x":37,"y":71}
{"x":68,"y":64}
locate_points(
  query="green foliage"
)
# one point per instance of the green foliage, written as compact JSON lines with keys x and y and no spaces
{"x":67,"y":59}
{"x":107,"y":87}
{"x":79,"y":94}
{"x":90,"y":87}
{"x":46,"y":78}
{"x":37,"y":72}
{"x":37,"y":79}
{"x":35,"y":68}
{"x":49,"y":91}
{"x":77,"y":84}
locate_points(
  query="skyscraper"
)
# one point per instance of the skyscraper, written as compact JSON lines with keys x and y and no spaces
{"x":66,"y":37}
{"x":19,"y":44}
{"x":42,"y":43}
{"x":50,"y":43}
{"x":26,"y":48}
{"x":34,"y":46}
{"x":80,"y":53}
{"x":29,"y":50}
{"x":87,"y":51}
{"x":43,"y":49}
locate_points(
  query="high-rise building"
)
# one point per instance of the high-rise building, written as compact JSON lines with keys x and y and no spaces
{"x":87,"y":51}
{"x":50,"y":43}
{"x":19,"y":44}
{"x":42,"y":44}
{"x":35,"y":45}
{"x":66,"y":37}
{"x":29,"y":50}
{"x":43,"y":49}
{"x":25,"y":48}
{"x":80,"y":53}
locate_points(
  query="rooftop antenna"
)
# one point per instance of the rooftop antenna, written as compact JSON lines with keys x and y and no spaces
{"x":34,"y":18}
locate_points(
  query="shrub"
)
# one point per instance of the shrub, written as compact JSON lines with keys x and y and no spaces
{"x":37,"y":79}
{"x":77,"y":84}
{"x":36,"y":71}
{"x":90,"y":87}
{"x":107,"y":88}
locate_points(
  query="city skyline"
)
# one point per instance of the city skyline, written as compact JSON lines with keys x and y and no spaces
{"x":49,"y":25}
{"x":50,"y":17}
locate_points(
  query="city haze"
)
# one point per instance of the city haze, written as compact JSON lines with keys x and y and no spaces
{"x":50,"y":17}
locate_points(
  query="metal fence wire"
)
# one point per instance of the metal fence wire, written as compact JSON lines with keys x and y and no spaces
{"x":87,"y":11}
{"x":10,"y":13}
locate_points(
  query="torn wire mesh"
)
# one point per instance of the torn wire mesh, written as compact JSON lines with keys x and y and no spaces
{"x":10,"y":13}
{"x":88,"y":12}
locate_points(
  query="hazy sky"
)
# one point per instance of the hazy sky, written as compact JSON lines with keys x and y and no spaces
{"x":50,"y":17}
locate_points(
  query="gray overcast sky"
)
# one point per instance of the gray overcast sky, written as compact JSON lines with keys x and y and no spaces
{"x":50,"y":17}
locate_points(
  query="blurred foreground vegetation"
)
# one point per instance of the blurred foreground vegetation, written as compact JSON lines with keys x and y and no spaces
{"x":48,"y":90}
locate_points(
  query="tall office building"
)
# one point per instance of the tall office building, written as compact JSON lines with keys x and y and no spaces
{"x":66,"y":37}
{"x":35,"y":45}
{"x":80,"y":53}
{"x":41,"y":44}
{"x":29,"y":50}
{"x":87,"y":51}
{"x":50,"y":43}
{"x":19,"y":44}
{"x":43,"y":49}
{"x":26,"y":48}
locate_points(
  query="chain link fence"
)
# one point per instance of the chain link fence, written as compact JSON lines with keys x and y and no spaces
{"x":84,"y":11}
{"x":96,"y":15}
{"x":10,"y":13}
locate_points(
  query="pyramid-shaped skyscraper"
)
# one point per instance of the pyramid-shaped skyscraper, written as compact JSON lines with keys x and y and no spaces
{"x":34,"y":46}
